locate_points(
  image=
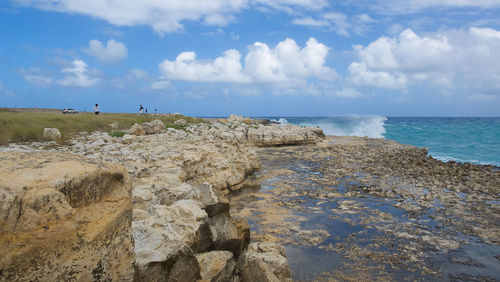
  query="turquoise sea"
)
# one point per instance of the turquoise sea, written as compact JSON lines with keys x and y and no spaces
{"x":461,"y":139}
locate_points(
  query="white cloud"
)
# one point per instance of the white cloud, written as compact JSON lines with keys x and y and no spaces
{"x":113,"y":51}
{"x":285,"y":63}
{"x":448,"y":59}
{"x":77,"y":75}
{"x":339,"y":23}
{"x":347,"y":93}
{"x":169,"y":15}
{"x":162,"y":16}
{"x":160,"y":85}
{"x":226,"y":68}
{"x":35,"y":76}
{"x":360,"y":75}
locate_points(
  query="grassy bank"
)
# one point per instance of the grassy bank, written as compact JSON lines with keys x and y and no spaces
{"x":22,"y":126}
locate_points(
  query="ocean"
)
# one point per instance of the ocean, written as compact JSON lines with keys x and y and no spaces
{"x":461,"y":139}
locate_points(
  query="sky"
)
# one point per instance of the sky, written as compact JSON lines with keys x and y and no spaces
{"x":253,"y":57}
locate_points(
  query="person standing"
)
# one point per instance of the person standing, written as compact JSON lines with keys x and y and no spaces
{"x":96,"y":109}
{"x":141,"y":109}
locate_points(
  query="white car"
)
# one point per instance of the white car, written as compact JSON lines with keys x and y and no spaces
{"x":69,"y":111}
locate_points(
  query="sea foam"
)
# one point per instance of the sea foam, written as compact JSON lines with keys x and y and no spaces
{"x":370,"y":126}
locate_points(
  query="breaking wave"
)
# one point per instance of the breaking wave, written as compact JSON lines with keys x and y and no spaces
{"x":370,"y":126}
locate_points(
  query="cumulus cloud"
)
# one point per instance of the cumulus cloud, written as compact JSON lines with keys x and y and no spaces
{"x":36,"y":77}
{"x":446,"y":59}
{"x":112,"y":52}
{"x":285,"y":63}
{"x":226,"y":68}
{"x":338,"y":22}
{"x":77,"y":75}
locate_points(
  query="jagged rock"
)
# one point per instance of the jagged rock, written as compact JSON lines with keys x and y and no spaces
{"x":153,"y":127}
{"x":264,"y":262}
{"x":229,"y":234}
{"x":64,"y":218}
{"x":179,"y":179}
{"x":181,"y":122}
{"x":115,"y":125}
{"x":216,"y":266}
{"x":137,"y":129}
{"x":51,"y":133}
{"x":214,"y":202}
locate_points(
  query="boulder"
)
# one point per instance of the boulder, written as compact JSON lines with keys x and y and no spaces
{"x":51,"y":133}
{"x":153,"y":127}
{"x":136,"y":129}
{"x":264,"y":262}
{"x":229,"y":234}
{"x":64,"y":218}
{"x":216,"y":266}
{"x":181,"y":122}
{"x":158,"y":261}
{"x":115,"y":125}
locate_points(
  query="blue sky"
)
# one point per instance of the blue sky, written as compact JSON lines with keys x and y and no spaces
{"x":253,"y":57}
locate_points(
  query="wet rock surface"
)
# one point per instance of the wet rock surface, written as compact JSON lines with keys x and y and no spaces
{"x":355,"y":208}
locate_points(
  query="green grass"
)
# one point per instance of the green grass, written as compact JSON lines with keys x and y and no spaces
{"x":174,"y":126}
{"x":116,"y":133}
{"x":27,"y":126}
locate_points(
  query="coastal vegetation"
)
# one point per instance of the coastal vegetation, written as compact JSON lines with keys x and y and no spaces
{"x":25,"y":126}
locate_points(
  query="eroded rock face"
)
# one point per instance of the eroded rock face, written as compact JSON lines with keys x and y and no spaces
{"x":239,"y":131}
{"x":180,"y":180}
{"x":63,"y":217}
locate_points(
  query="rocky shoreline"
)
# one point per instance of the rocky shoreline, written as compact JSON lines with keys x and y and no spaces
{"x":189,"y":196}
{"x":375,"y":209}
{"x":180,"y":226}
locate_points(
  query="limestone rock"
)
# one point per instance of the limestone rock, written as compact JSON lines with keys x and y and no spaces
{"x":235,"y":118}
{"x":230,"y":234}
{"x":181,"y":122}
{"x":64,"y":218}
{"x":115,"y":125}
{"x":136,"y":129}
{"x":153,"y":127}
{"x":174,"y":261}
{"x":264,"y":262}
{"x":216,"y":266}
{"x":214,"y":202}
{"x":51,"y":133}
